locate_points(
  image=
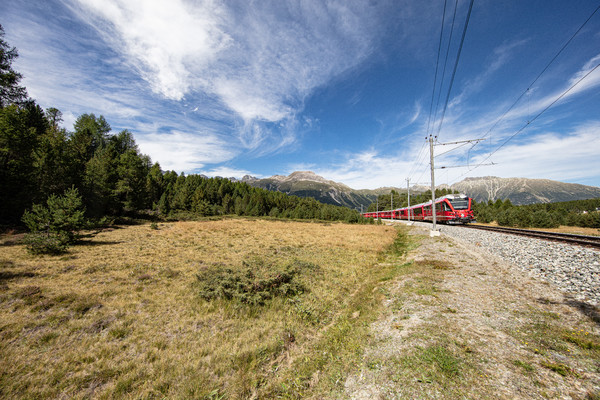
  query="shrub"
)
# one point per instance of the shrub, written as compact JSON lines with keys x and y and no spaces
{"x":503,"y":218}
{"x":543,"y":219}
{"x":46,"y":243}
{"x":254,"y":283}
{"x":54,"y":226}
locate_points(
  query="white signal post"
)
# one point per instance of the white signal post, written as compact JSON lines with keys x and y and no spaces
{"x":408,"y":192}
{"x":434,"y":231}
{"x":392,"y":202}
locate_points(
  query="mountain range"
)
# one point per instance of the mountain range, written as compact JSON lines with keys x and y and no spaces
{"x":524,"y":191}
{"x":518,"y":190}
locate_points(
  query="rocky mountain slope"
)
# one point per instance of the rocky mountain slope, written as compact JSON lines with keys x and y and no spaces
{"x":523,"y":190}
{"x":309,"y":184}
{"x":518,"y":190}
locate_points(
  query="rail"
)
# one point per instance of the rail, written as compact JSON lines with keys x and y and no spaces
{"x":582,"y":240}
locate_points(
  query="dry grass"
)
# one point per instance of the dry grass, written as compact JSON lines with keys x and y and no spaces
{"x":120,"y":316}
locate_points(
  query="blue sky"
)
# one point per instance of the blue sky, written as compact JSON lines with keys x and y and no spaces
{"x":343,"y":88}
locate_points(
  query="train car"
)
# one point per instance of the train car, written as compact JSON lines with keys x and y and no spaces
{"x":449,"y":209}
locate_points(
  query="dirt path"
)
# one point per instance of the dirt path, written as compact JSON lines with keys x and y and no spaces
{"x":462,"y":324}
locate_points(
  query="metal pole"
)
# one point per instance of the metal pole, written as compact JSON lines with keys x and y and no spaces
{"x":392,"y":200}
{"x":408,"y":191}
{"x":432,"y":181}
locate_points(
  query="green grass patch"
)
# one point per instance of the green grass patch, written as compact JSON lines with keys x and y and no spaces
{"x":525,"y":366}
{"x":559,"y":368}
{"x":582,"y":340}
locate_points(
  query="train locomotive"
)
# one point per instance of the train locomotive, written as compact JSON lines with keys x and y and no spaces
{"x":449,"y":209}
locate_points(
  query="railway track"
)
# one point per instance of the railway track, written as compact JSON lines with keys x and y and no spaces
{"x":582,"y":240}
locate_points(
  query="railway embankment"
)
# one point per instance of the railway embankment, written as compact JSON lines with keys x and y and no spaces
{"x":473,"y":314}
{"x":573,"y":269}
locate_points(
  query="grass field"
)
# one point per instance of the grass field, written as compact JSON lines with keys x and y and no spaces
{"x":136,"y":312}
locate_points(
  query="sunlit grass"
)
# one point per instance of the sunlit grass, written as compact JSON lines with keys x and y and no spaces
{"x":123,"y":314}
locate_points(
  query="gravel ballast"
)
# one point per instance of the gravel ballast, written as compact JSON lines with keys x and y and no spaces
{"x":574,"y":269}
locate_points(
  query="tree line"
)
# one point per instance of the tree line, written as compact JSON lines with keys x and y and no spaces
{"x":40,"y":160}
{"x":583,"y":213}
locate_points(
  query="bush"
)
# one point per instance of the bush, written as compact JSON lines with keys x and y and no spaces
{"x":503,"y":218}
{"x":543,"y":219}
{"x":46,"y":243}
{"x":254,"y":283}
{"x":485,"y":215}
{"x":55,"y":226}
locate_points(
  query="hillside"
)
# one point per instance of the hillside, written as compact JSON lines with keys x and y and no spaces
{"x":309,"y":184}
{"x":524,"y":191}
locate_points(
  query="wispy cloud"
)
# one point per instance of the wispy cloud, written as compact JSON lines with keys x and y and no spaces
{"x":546,"y":155}
{"x":227,"y":172}
{"x":259,"y":59}
{"x":499,"y":58}
{"x":181,"y":151}
{"x":166,"y":41}
{"x":569,"y":156}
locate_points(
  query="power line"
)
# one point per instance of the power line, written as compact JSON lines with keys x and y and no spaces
{"x":462,"y":40}
{"x":538,"y":115}
{"x":437,"y":105}
{"x":544,"y":70}
{"x":417,"y":161}
{"x":564,"y":46}
{"x":437,"y":63}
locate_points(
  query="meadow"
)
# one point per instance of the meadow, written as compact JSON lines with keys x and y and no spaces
{"x":231,"y":308}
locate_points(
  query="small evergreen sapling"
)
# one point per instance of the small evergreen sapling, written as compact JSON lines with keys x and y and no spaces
{"x":55,"y":226}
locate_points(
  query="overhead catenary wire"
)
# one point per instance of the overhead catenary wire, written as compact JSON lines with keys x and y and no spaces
{"x":563,"y":94}
{"x":437,"y":63}
{"x":418,"y":161}
{"x":462,"y":40}
{"x":563,"y":47}
{"x":437,"y":104}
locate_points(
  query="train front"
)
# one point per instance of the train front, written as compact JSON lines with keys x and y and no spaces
{"x":461,"y":205}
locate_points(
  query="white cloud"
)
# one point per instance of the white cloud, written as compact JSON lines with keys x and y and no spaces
{"x":368,"y":170}
{"x":166,"y":40}
{"x":180,"y":151}
{"x":563,"y":157}
{"x":261,"y":59}
{"x":228,"y":172}
{"x":570,"y":156}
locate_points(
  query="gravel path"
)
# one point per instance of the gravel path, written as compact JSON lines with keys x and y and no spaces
{"x":466,"y":295}
{"x":574,"y":269}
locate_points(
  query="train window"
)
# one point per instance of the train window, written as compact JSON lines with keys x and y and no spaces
{"x":445,"y":206}
{"x":460,"y":204}
{"x":417,"y":211}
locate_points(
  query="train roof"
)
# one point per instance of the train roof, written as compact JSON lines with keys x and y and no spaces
{"x":448,"y":196}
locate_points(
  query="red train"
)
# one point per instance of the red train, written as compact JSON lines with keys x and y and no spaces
{"x":450,"y":209}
